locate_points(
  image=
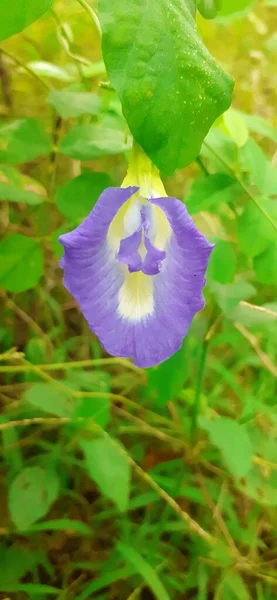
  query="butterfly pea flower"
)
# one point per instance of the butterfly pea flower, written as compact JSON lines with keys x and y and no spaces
{"x":136,"y":266}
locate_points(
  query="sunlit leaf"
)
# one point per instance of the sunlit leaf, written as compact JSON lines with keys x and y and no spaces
{"x":16,"y":187}
{"x":171,"y":89}
{"x":265,"y":265}
{"x":223,"y":262}
{"x":232,"y":440}
{"x":16,"y":16}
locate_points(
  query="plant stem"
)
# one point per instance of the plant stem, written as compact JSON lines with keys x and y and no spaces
{"x":92,"y":13}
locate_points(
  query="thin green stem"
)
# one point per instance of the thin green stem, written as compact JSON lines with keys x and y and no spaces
{"x":198,"y":389}
{"x":92,"y":13}
{"x":26,"y":68}
{"x":71,"y":365}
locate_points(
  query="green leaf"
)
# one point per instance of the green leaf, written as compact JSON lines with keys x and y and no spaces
{"x":149,"y":576}
{"x":16,"y":187}
{"x":32,"y":588}
{"x":61,"y":525}
{"x":18,"y":14}
{"x":91,"y":141}
{"x":171,"y":89}
{"x":260,"y":126}
{"x":235,"y":7}
{"x":262,"y":174}
{"x":223,"y":263}
{"x":233,"y":441}
{"x":228,"y":296}
{"x":233,"y":582}
{"x":22,"y":141}
{"x":108,"y":466}
{"x":236,"y":127}
{"x":31,"y":494}
{"x":49,"y":398}
{"x":15,"y":563}
{"x":209,"y":193}
{"x":47,"y":69}
{"x":260,"y":487}
{"x":166,"y":380}
{"x":255,"y":232}
{"x":21,"y":263}
{"x":265,"y":265}
{"x":77,"y":198}
{"x":74,"y":104}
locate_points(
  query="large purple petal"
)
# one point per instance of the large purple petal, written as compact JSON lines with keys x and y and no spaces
{"x":133,"y":314}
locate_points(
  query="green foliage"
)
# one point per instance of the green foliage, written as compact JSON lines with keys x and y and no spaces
{"x":144,"y":47}
{"x":232,"y":440}
{"x":108,"y":466}
{"x":15,"y":16}
{"x":31,"y":494}
{"x":76,"y":198}
{"x":23,"y":140}
{"x":68,"y":103}
{"x":104,"y":491}
{"x":85,"y":142}
{"x":21,"y":263}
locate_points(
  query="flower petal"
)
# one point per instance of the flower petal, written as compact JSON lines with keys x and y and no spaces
{"x":133,"y":314}
{"x":128,"y":253}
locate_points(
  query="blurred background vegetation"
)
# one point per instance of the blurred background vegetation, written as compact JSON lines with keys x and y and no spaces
{"x":177,"y":499}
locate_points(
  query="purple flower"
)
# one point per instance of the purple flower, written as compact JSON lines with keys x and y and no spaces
{"x":136,"y":266}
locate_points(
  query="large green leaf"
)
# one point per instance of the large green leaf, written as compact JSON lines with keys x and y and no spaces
{"x":21,"y":263}
{"x":108,"y":466}
{"x":49,"y":398}
{"x":265,"y":265}
{"x":31,"y":494}
{"x":15,"y":15}
{"x":170,"y":87}
{"x":76,"y":198}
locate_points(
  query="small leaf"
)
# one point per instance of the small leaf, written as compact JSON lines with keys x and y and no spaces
{"x":260,"y":126}
{"x":209,"y":193}
{"x":255,"y":232}
{"x":84,"y":142}
{"x":108,"y":466}
{"x":170,"y":87}
{"x":74,"y":104}
{"x":21,"y":263}
{"x":49,"y":398}
{"x":149,"y":576}
{"x":31,"y":494}
{"x":262,"y":173}
{"x":16,"y":187}
{"x":77,"y":198}
{"x":236,"y":127}
{"x":22,"y":141}
{"x":166,"y":380}
{"x":228,"y":296}
{"x":47,"y":69}
{"x":265,"y":265}
{"x":223,"y":263}
{"x":16,"y":16}
{"x":232,"y":440}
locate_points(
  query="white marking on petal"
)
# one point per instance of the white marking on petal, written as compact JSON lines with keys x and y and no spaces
{"x":136,"y":299}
